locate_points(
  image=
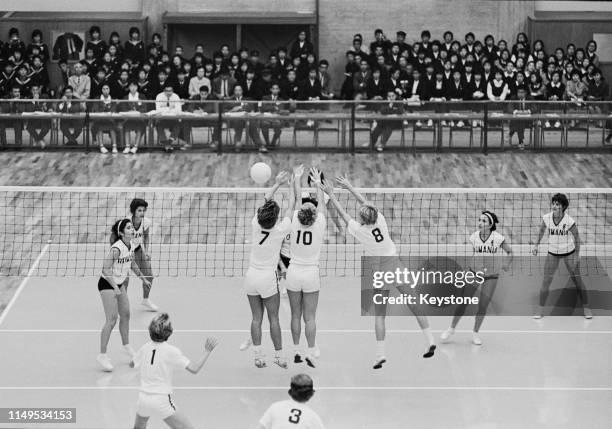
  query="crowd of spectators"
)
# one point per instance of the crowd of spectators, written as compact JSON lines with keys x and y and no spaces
{"x":427,"y":70}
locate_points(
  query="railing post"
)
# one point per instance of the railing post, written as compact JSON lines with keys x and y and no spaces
{"x":219,"y":126}
{"x":352,"y":130}
{"x":87,"y":128}
{"x":485,"y":130}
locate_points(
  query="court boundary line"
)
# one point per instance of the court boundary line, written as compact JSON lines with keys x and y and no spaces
{"x":23,"y":283}
{"x":416,"y":388}
{"x":322,"y":331}
{"x":252,"y":190}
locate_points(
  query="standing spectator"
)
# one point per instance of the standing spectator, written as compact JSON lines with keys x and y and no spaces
{"x":71,"y":127}
{"x":301,"y":47}
{"x":96,"y":43}
{"x":13,"y":44}
{"x":196,"y":82}
{"x":380,"y":41}
{"x":37,"y":128}
{"x":80,"y":84}
{"x":598,"y":91}
{"x":134,"y":102}
{"x":37,"y":43}
{"x":400,"y":39}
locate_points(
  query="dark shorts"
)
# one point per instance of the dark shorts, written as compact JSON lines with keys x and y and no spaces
{"x":103,"y":284}
{"x":562,"y":254}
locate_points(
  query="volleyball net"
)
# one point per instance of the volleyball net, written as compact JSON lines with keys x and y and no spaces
{"x":206,"y":231}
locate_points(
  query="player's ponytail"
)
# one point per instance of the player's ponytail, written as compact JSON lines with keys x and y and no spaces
{"x":117,"y":228}
{"x":160,"y":328}
{"x":492,"y":217}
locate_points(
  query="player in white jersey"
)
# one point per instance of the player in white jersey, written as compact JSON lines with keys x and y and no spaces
{"x":372,"y":232}
{"x":140,"y":243}
{"x":260,"y":282}
{"x":308,"y":227}
{"x":293,"y":413}
{"x":157,"y":361}
{"x":486,"y":243}
{"x":563,"y":245}
{"x":113,"y":285}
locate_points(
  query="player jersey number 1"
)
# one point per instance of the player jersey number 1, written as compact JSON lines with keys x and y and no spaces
{"x":377,"y":235}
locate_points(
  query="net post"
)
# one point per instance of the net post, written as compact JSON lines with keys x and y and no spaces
{"x":219,"y":126}
{"x":352,"y":130}
{"x":485,"y":130}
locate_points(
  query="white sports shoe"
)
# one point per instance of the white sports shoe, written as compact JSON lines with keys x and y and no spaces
{"x":476,"y":339}
{"x":103,"y":150}
{"x":280,"y":361}
{"x":260,"y":361}
{"x":126,"y":150}
{"x":115,"y":151}
{"x":105,"y":362}
{"x":246,"y":344}
{"x":149,"y":305}
{"x":133,"y":150}
{"x":446,"y":335}
{"x":317,"y":352}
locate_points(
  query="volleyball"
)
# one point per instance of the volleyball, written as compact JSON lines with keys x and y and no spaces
{"x":261,"y":173}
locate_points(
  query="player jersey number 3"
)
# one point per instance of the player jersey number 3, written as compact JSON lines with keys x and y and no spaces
{"x":294,"y":417}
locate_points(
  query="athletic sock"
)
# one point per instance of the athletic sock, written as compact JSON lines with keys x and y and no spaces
{"x":380,"y":348}
{"x":429,"y":336}
{"x":257,"y":350}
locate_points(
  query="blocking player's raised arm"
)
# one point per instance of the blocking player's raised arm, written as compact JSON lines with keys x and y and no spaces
{"x":328,"y":187}
{"x":297,"y":184}
{"x":316,"y":176}
{"x":344,"y":183}
{"x":280,"y":179}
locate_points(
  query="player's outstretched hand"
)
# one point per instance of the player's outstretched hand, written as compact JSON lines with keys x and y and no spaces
{"x":298,"y":171}
{"x":315,"y":175}
{"x":343,"y":182}
{"x":210,"y":345}
{"x":327,"y":186}
{"x":281,"y":177}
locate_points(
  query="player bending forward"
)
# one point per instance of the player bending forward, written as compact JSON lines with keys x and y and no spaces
{"x":293,"y":413}
{"x":157,"y":361}
{"x":372,"y":232}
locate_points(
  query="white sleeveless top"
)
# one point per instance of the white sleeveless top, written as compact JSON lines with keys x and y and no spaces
{"x":122,"y":265}
{"x":560,"y":239}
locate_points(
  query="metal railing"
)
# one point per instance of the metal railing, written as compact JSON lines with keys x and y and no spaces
{"x":354,"y":126}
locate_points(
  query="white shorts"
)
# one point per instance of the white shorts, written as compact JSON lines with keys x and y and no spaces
{"x":303,"y":278}
{"x":155,"y":404}
{"x":261,"y":282}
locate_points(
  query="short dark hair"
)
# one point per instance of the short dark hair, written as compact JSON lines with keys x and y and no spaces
{"x":425,"y":33}
{"x":561,"y":199}
{"x":137,"y":202}
{"x":204,"y":88}
{"x":267,"y":215}
{"x":94,"y":29}
{"x":301,"y":388}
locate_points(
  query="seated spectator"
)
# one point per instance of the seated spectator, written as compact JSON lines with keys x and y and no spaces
{"x":310,"y":89}
{"x":375,"y":87}
{"x":238,"y":104}
{"x":13,"y":107}
{"x":416,"y":90}
{"x":13,"y":44}
{"x":203,"y":104}
{"x":255,"y":64}
{"x":325,"y":80}
{"x":457,"y":92}
{"x":144,"y":86}
{"x":169,"y":103}
{"x":591,"y":53}
{"x":384,"y":127}
{"x":181,"y":84}
{"x":37,"y":128}
{"x":576,"y":90}
{"x":272,"y":103}
{"x":120,"y":87}
{"x":197,"y":82}
{"x":497,"y":89}
{"x":38,"y":48}
{"x":519,"y":82}
{"x":520,"y":107}
{"x":96,"y":84}
{"x":439,"y":93}
{"x":134,"y":101}
{"x":223,"y":86}
{"x":361,"y":78}
{"x":290,"y":89}
{"x":134,"y":50}
{"x":80,"y":84}
{"x":22,"y":80}
{"x":555,"y":91}
{"x":95,"y":42}
{"x":393,"y":83}
{"x":251,"y":86}
{"x":106,"y":105}
{"x":159,"y":84}
{"x":537,"y":90}
{"x":70,"y":127}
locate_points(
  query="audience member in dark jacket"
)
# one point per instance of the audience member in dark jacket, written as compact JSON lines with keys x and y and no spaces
{"x":384,"y":127}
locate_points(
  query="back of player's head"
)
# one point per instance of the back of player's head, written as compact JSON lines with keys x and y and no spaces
{"x":267,"y":215}
{"x":368,"y":214}
{"x":491,"y":218}
{"x":561,"y":199}
{"x":137,"y":202}
{"x":301,"y":388}
{"x":307,"y":214}
{"x":117,"y":229}
{"x":160,"y":328}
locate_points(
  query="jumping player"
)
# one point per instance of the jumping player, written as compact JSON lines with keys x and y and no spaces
{"x":563,"y":245}
{"x":372,"y":232}
{"x":293,"y":413}
{"x":260,"y":282}
{"x":308,"y":227}
{"x":140,"y":243}
{"x":157,"y":361}
{"x":113,"y":285}
{"x":486,"y":243}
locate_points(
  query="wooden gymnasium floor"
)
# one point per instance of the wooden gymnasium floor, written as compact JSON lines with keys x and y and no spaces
{"x":554,"y":373}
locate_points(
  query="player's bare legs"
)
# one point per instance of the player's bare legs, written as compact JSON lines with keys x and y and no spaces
{"x":573,"y":267}
{"x":380,"y":330}
{"x":424,"y":325}
{"x":257,"y":309}
{"x":178,"y":421}
{"x":310,"y":300}
{"x":123,"y":306}
{"x":550,"y":267}
{"x":272,"y":305}
{"x":295,"y":302}
{"x":141,"y":422}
